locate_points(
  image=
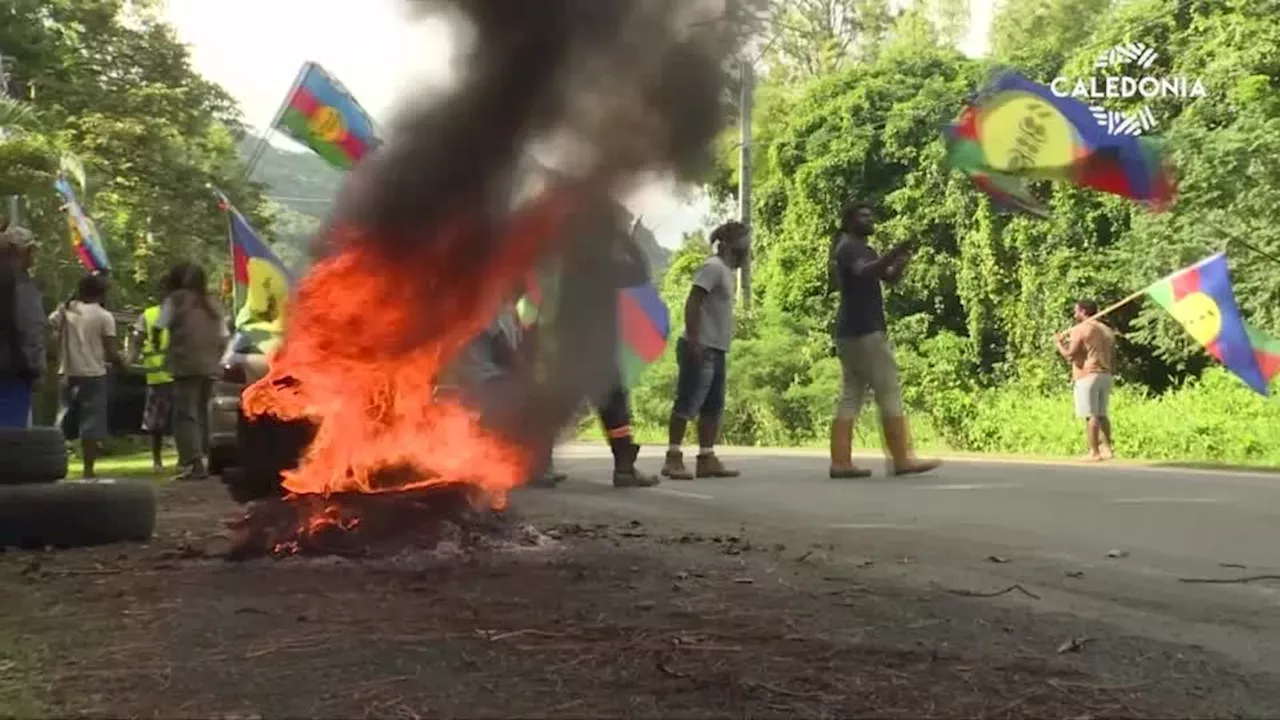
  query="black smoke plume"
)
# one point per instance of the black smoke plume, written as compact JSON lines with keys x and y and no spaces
{"x":622,"y":89}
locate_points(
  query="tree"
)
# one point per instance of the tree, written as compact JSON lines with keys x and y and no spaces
{"x":985,"y":295}
{"x":808,"y":38}
{"x":112,"y":83}
{"x":1037,"y":36}
{"x":15,"y":115}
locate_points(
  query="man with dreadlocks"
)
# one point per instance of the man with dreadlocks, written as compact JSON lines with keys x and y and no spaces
{"x":701,"y":352}
{"x":197,"y":339}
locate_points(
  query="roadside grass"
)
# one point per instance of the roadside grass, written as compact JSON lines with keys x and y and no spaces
{"x":131,"y":465}
{"x":929,"y":443}
{"x":137,"y":464}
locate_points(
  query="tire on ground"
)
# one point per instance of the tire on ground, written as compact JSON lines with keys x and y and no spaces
{"x":267,"y":446}
{"x":32,"y":455}
{"x":76,"y":514}
{"x":221,"y":459}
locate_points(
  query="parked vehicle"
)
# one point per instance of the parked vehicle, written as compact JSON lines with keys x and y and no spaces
{"x":127,"y":400}
{"x":241,"y":367}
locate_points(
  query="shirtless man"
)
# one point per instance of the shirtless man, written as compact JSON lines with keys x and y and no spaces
{"x":1090,"y":347}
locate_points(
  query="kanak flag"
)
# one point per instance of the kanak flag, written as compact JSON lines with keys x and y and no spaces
{"x":260,"y":277}
{"x":1200,"y":298}
{"x":321,"y":114}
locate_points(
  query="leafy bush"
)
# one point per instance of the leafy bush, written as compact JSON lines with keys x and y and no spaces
{"x":783,"y":385}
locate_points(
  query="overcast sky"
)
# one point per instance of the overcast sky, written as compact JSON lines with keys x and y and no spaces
{"x":254,"y":49}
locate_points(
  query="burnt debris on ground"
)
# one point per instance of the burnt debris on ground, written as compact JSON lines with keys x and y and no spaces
{"x":611,"y":619}
{"x":368,"y":525}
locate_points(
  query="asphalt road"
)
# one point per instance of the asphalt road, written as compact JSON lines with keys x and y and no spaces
{"x":983,"y":525}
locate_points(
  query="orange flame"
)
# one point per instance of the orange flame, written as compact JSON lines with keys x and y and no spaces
{"x":369,"y":332}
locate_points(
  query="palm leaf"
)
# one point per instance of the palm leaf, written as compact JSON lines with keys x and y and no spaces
{"x":15,"y":114}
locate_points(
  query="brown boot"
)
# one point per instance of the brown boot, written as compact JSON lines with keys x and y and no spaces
{"x":709,"y":466}
{"x":902,"y":459}
{"x":674,"y":466}
{"x":625,"y":474}
{"x":842,"y":467}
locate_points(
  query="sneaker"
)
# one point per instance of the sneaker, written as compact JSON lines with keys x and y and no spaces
{"x":674,"y":467}
{"x":709,"y":466}
{"x":192,"y":472}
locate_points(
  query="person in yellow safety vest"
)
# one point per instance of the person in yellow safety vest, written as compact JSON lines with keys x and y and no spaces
{"x":147,"y":347}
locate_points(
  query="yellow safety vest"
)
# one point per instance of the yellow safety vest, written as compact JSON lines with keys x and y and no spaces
{"x":154,"y":347}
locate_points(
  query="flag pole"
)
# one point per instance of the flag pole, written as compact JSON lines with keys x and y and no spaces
{"x":1107,"y":310}
{"x":224,"y":204}
{"x":231,"y":248}
{"x":1255,"y":250}
{"x":260,"y":149}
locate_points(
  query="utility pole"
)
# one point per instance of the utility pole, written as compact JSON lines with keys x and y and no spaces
{"x":14,"y":201}
{"x":748,"y":81}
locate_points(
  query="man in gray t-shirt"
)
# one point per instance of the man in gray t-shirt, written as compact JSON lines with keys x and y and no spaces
{"x":701,"y":351}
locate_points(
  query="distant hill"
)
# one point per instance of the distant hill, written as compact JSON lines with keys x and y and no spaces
{"x":302,"y":186}
{"x":298,"y":179}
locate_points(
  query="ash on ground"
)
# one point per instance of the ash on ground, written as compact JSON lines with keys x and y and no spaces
{"x":408,"y":527}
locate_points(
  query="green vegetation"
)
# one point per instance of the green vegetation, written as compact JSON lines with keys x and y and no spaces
{"x":852,"y":94}
{"x":974,"y":318}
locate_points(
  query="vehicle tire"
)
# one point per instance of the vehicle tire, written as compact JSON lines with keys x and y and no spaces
{"x":267,"y":447}
{"x":32,"y":455}
{"x":221,"y":459}
{"x":76,"y":514}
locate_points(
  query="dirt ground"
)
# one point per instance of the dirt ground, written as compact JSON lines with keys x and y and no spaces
{"x":608,"y":619}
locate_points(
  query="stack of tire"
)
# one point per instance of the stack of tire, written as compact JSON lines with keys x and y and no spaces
{"x":39,"y":508}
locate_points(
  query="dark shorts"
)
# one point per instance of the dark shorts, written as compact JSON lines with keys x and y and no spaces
{"x":157,"y":417}
{"x":15,"y":403}
{"x":84,"y":407}
{"x":699,"y":386}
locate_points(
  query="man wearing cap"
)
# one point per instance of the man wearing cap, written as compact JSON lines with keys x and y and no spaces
{"x":22,"y":329}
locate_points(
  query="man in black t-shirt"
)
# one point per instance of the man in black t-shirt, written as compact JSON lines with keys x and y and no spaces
{"x":866,"y":358}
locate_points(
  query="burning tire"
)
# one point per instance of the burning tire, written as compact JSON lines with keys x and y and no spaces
{"x":76,"y":514}
{"x":266,"y":446}
{"x":32,"y":455}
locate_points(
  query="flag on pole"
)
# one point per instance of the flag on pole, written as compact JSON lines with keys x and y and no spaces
{"x":262,"y":280}
{"x":644,"y":324}
{"x":85,"y":240}
{"x":321,"y":114}
{"x":1267,"y":351}
{"x":1016,"y":130}
{"x":643,"y":328}
{"x":1201,"y":300}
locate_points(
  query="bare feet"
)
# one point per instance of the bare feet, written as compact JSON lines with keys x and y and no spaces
{"x":1108,"y":453}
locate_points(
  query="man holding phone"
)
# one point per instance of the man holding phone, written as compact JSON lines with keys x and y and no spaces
{"x":862,"y":344}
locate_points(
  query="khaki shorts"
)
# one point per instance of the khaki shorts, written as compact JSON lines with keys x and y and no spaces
{"x":1093,"y":395}
{"x":867,"y":363}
